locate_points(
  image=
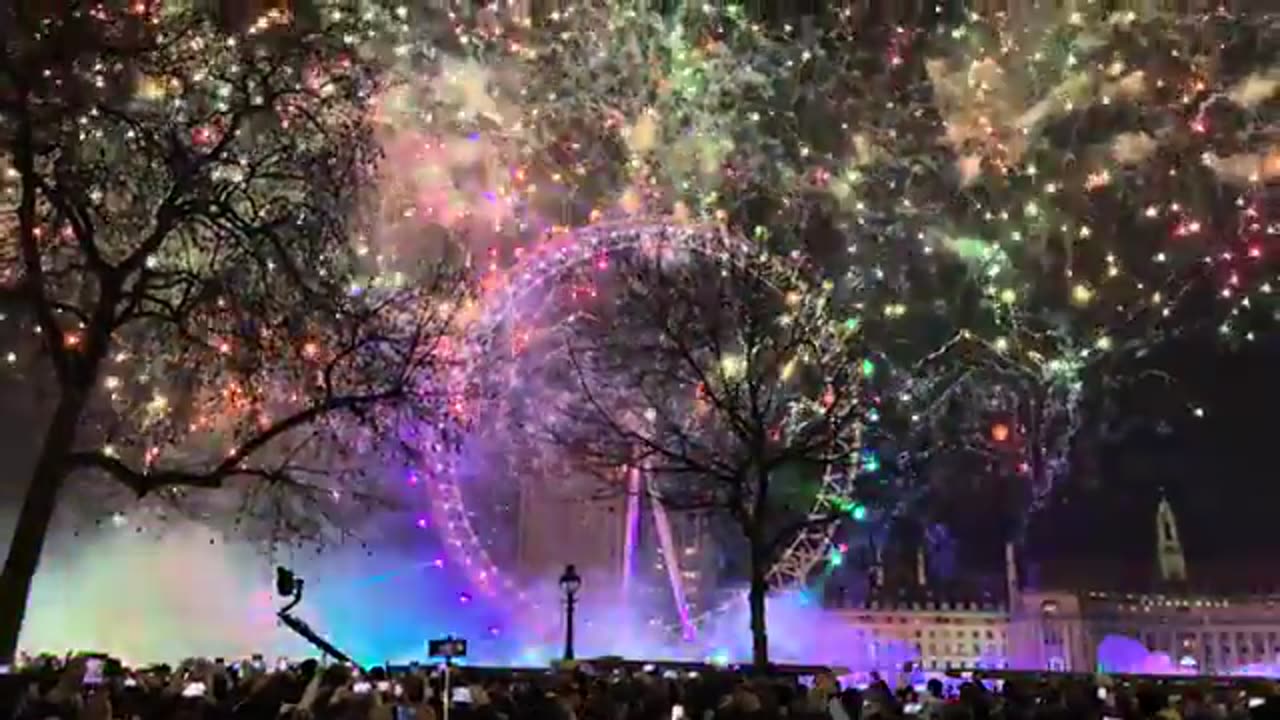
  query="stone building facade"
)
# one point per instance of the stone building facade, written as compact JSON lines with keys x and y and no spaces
{"x":1066,"y":629}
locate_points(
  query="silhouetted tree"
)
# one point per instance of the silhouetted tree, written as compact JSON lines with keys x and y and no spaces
{"x":179,"y":213}
{"x":727,"y":381}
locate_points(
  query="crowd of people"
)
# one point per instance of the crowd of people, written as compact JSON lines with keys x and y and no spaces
{"x":95,"y":688}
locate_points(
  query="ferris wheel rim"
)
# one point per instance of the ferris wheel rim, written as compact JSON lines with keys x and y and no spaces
{"x":563,"y":249}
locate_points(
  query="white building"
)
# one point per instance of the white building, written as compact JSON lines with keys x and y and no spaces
{"x":1062,"y":629}
{"x":943,"y":634}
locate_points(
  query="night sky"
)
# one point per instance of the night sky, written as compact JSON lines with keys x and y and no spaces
{"x":1218,"y":472}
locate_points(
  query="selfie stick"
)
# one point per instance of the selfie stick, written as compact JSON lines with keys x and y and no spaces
{"x":303,"y":629}
{"x":448,"y":648}
{"x":288,"y":584}
{"x":448,"y":699}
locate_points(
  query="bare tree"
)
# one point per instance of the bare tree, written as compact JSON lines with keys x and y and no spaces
{"x":726,"y":379}
{"x":181,"y":215}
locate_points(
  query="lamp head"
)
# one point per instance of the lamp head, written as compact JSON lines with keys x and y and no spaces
{"x":570,"y":581}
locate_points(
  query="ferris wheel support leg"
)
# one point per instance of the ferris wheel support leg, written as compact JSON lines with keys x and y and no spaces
{"x":635,"y":479}
{"x":663,"y":524}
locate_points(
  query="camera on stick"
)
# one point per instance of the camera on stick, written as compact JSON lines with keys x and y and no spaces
{"x":447,"y":648}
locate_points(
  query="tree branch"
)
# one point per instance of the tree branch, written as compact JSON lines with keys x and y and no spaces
{"x":144,"y":482}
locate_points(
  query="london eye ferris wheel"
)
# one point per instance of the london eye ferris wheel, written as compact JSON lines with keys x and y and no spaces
{"x":484,"y":510}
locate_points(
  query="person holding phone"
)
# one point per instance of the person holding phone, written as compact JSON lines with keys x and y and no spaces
{"x":460,"y":695}
{"x":97,"y":705}
{"x":932,"y":701}
{"x":64,"y":698}
{"x":194,"y":689}
{"x":94,"y":671}
{"x":415,"y":699}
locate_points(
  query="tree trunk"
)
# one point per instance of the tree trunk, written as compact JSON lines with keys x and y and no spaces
{"x":761,"y":555}
{"x":33,"y":523}
{"x":756,"y":597}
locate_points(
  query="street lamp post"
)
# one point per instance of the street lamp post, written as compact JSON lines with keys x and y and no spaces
{"x":570,"y":582}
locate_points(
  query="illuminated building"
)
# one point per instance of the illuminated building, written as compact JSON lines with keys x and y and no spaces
{"x":942,"y":633}
{"x":942,"y":628}
{"x":559,"y":523}
{"x":1064,"y":629}
{"x":693,"y":543}
{"x":1198,"y":630}
{"x":672,"y":569}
